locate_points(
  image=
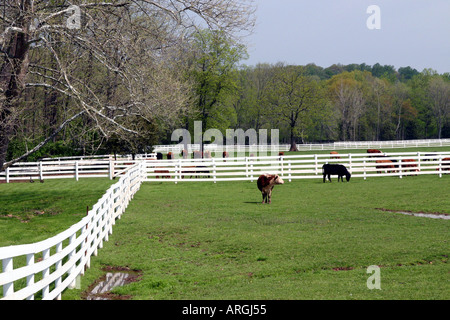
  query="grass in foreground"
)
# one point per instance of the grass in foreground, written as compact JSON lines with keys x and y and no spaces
{"x":31,"y":212}
{"x":315,"y":241}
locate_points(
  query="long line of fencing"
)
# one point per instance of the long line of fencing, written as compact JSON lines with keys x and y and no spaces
{"x":45,"y":269}
{"x":237,"y":168}
{"x":297,"y":166}
{"x":342,"y":145}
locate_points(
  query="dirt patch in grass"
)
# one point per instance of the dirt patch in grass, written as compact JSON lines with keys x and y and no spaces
{"x":435,"y":215}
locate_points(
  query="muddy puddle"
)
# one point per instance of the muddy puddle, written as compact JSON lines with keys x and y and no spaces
{"x":115,"y":277}
{"x":433,"y":215}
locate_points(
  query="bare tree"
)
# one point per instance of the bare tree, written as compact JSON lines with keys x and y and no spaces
{"x":439,"y":94}
{"x":137,"y":42}
{"x":350,"y":102}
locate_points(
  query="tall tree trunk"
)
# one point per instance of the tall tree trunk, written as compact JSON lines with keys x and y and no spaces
{"x":12,"y":75}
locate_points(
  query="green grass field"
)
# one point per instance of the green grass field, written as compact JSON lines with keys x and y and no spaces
{"x":203,"y":240}
{"x":31,"y":212}
{"x":315,"y":241}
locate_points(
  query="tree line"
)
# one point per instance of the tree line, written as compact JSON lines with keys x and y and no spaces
{"x":134,"y":71}
{"x":342,"y":102}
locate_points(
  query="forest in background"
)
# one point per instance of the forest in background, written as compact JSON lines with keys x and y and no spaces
{"x":308,"y":104}
{"x":132,"y":73}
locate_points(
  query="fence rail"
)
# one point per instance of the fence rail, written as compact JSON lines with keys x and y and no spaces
{"x":50,"y":266}
{"x":297,"y":166}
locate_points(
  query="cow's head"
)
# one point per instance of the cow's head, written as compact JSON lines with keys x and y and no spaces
{"x":347,"y":176}
{"x":278,"y":180}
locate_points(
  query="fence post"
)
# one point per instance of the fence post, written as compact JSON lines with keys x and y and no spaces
{"x":8,"y":288}
{"x":45,"y":273}
{"x":246,"y":167}
{"x":418,"y":161}
{"x":30,"y":278}
{"x":400,"y":168}
{"x":251,"y":170}
{"x":315,"y":164}
{"x":58,"y":265}
{"x":289,"y":166}
{"x":111,"y":169}
{"x":7,"y":175}
{"x":71,"y":254}
{"x":350,"y":161}
{"x":214,"y":169}
{"x":364,"y":167}
{"x":41,"y":174}
{"x":76,"y":170}
{"x":440,"y":166}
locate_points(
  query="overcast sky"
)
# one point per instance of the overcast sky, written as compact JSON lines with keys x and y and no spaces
{"x":413,"y":33}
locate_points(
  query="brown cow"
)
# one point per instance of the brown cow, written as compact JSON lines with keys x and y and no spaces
{"x":170,"y":156}
{"x":265,"y":183}
{"x":373,"y":151}
{"x":410,"y":165}
{"x":446,"y":166}
{"x":334,"y":157}
{"x":163,"y":172}
{"x":386,"y":167}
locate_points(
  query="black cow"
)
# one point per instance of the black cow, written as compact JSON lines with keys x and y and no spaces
{"x":339,"y":169}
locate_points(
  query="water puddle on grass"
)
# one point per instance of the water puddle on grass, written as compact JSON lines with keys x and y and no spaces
{"x":433,"y":215}
{"x":117,"y":277}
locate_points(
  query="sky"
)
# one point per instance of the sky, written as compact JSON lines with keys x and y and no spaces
{"x":413,"y":33}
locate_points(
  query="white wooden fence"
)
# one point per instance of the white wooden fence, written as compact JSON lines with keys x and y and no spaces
{"x":177,"y":148}
{"x":57,"y":169}
{"x":50,"y":266}
{"x":296,"y":166}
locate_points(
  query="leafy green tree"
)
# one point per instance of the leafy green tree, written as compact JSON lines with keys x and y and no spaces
{"x":215,"y":75}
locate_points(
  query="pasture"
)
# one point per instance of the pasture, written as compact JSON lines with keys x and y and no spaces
{"x":315,"y":241}
{"x":31,"y":212}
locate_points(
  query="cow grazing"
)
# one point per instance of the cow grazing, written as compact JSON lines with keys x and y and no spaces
{"x":446,"y":165}
{"x":265,"y":183}
{"x":335,"y":169}
{"x":408,"y":164}
{"x":159,"y":156}
{"x":387,"y":165}
{"x":334,"y":153}
{"x":281,"y":153}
